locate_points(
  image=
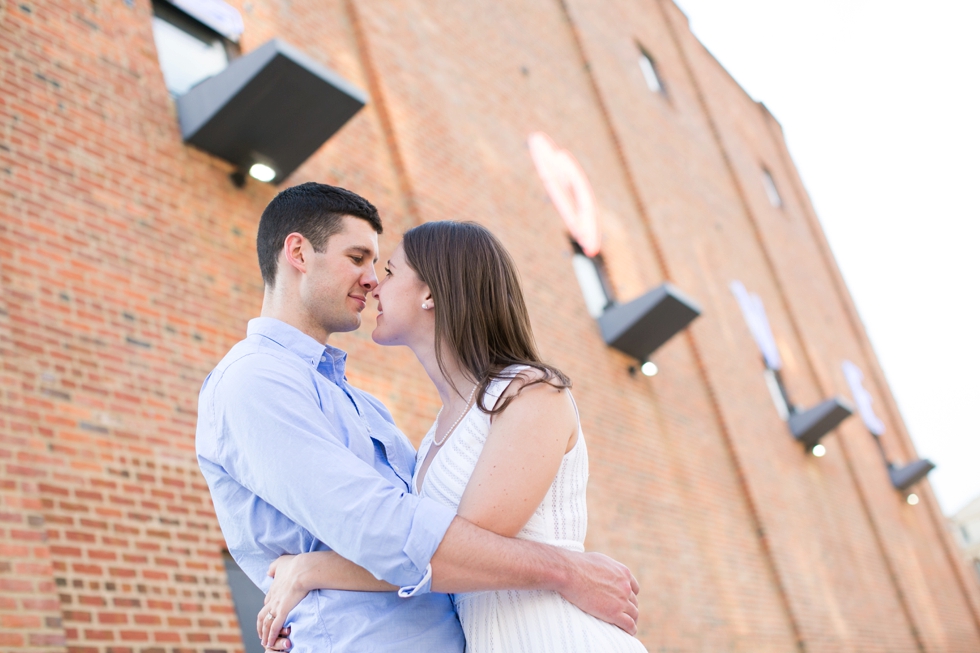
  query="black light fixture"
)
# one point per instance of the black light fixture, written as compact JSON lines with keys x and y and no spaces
{"x":812,"y":424}
{"x":902,"y":476}
{"x":636,"y":328}
{"x":805,"y":425}
{"x":640,"y":327}
{"x":268,"y":111}
{"x":905,"y":476}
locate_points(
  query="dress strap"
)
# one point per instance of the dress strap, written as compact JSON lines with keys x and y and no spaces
{"x":578,"y":417}
{"x":497,"y":387}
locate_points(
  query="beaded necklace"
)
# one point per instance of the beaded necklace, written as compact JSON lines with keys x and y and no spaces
{"x":458,"y":419}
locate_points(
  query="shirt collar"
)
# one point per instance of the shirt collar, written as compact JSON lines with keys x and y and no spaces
{"x":329,"y":360}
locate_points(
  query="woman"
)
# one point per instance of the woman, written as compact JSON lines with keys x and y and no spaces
{"x":506,"y":450}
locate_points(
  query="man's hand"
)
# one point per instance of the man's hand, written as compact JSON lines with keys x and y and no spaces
{"x":604,"y":588}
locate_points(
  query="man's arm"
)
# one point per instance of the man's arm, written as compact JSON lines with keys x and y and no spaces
{"x":274,"y":439}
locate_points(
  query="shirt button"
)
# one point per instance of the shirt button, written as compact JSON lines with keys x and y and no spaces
{"x":323,"y":359}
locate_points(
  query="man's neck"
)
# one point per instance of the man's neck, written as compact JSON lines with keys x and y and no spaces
{"x":273,"y":307}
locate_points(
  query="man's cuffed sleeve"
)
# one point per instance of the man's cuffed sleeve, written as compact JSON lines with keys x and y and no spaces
{"x":429,"y":526}
{"x":279,"y":442}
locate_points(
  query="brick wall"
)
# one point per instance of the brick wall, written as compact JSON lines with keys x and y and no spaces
{"x":30,"y":614}
{"x":128,"y":269}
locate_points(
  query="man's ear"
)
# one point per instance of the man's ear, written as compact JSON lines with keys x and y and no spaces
{"x":294,"y":251}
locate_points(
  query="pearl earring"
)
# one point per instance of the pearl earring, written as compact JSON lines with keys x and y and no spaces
{"x":425,"y":306}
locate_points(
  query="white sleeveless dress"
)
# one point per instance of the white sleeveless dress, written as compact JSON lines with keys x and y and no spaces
{"x":522,"y":621}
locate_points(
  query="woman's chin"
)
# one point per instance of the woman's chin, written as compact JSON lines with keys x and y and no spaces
{"x":379,"y":338}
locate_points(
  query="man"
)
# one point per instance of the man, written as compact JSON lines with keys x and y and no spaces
{"x":298,"y":460}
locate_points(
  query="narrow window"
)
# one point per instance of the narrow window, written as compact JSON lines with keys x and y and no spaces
{"x":649,"y":69}
{"x":774,"y":381}
{"x":771,"y":191}
{"x":189,"y":51}
{"x":592,"y":278}
{"x":248,"y":600}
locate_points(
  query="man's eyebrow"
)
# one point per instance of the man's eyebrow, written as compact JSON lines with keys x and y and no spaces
{"x":363,"y":250}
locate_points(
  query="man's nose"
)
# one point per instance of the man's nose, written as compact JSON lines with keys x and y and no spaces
{"x":370,"y":280}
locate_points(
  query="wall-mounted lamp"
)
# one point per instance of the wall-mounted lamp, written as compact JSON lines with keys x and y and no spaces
{"x":648,"y":368}
{"x":902,"y":476}
{"x":636,"y":328}
{"x":640,"y":327}
{"x":812,"y":424}
{"x":806,"y":426}
{"x":268,"y":111}
{"x":905,"y":476}
{"x":262,"y":172}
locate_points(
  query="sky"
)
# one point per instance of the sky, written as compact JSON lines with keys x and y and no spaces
{"x":880,"y":104}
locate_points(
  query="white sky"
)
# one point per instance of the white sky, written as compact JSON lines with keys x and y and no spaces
{"x":880,"y":104}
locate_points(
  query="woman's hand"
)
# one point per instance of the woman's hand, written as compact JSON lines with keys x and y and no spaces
{"x":294,"y":576}
{"x":282,"y":644}
{"x":287,"y":590}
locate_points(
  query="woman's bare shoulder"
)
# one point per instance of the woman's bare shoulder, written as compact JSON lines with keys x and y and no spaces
{"x":534,"y":389}
{"x":530,"y":378}
{"x":531,"y":397}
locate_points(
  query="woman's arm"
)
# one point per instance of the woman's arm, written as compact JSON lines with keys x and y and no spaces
{"x":296,"y":576}
{"x":520,"y":458}
{"x":518,"y":464}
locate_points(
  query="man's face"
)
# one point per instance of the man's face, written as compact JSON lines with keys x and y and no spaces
{"x":338,"y":280}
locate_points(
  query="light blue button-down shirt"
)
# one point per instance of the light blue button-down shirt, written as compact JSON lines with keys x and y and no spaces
{"x":298,"y":460}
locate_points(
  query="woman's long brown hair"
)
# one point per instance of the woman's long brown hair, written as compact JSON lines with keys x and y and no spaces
{"x":481,"y":318}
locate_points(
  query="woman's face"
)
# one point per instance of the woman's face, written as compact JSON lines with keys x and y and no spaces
{"x":400,"y":295}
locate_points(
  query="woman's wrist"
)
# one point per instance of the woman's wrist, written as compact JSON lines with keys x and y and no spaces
{"x":302,"y":576}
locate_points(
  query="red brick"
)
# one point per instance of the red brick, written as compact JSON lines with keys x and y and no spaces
{"x":46,"y":639}
{"x":134,"y":635}
{"x":19,"y":621}
{"x":43,"y":604}
{"x":112,"y":618}
{"x":14,"y":640}
{"x":99,"y":635}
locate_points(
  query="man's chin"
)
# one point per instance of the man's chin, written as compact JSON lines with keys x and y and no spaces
{"x":351,"y":325}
